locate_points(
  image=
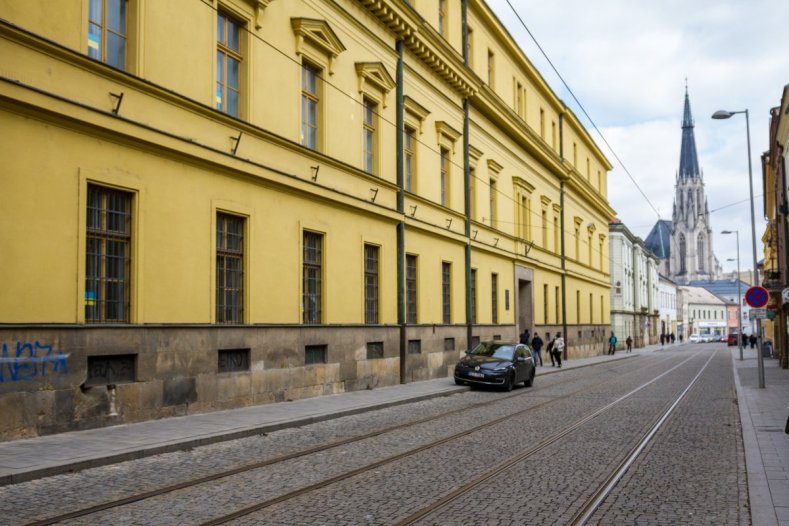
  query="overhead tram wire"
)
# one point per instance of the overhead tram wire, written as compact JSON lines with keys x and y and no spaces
{"x":570,"y":91}
{"x":387,"y":121}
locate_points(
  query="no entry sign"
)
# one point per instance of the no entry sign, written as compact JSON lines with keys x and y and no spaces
{"x":756,"y":297}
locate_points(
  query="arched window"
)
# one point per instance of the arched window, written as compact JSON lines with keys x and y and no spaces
{"x":700,"y":252}
{"x":683,"y":253}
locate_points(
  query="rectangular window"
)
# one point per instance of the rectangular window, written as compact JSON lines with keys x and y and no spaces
{"x":519,"y":99}
{"x":375,"y":350}
{"x":442,"y":17}
{"x":494,"y":298}
{"x":410,"y":289}
{"x":473,"y":295}
{"x":545,"y":304}
{"x":470,"y":48}
{"x":444,"y":177}
{"x":556,"y":234}
{"x":371,"y":283}
{"x":369,"y":135}
{"x":491,"y":69}
{"x":449,"y":344}
{"x":107,"y":32}
{"x":310,"y":98}
{"x":315,"y":354}
{"x":556,"y":307}
{"x":577,"y":306}
{"x":229,"y":268}
{"x":542,"y":123}
{"x":545,"y":229}
{"x":112,"y":369}
{"x":414,"y":346}
{"x":228,"y":64}
{"x":493,"y":197}
{"x":591,"y":309}
{"x":446,"y":292}
{"x":312,"y":278}
{"x":108,"y":255}
{"x":409,"y":156}
{"x":553,"y":135}
{"x":232,"y":360}
{"x":473,"y":175}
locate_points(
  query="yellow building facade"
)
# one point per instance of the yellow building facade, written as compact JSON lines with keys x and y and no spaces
{"x":216,"y":204}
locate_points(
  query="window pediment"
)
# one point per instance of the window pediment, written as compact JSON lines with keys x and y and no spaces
{"x":374,"y":74}
{"x":415,"y":112}
{"x":446,"y":135}
{"x":523,"y":184}
{"x":316,"y":36}
{"x":494,"y":168}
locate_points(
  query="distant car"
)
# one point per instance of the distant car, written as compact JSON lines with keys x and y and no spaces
{"x":496,"y":363}
{"x":707,"y":338}
{"x":732,"y":339}
{"x":695,"y":338}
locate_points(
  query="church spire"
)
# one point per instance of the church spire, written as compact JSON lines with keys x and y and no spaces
{"x":688,"y":160}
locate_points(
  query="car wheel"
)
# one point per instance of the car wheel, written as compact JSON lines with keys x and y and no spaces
{"x":528,"y":382}
{"x":459,"y":382}
{"x":509,"y":383}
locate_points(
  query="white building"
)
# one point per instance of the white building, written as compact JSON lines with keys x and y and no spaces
{"x":667,"y":306}
{"x":706,"y":313}
{"x":634,"y":287}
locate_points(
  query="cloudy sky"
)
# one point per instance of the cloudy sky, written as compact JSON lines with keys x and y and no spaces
{"x":627,"y":62}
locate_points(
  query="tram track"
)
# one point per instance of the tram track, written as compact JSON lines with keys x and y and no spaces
{"x":593,"y":502}
{"x":141,"y":496}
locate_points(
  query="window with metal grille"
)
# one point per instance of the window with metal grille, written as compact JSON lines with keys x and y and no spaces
{"x":449,"y":344}
{"x":229,"y":268}
{"x":108,"y":255}
{"x":369,"y":133}
{"x":446,"y":292}
{"x":232,"y":360}
{"x":315,"y":354}
{"x":310,"y":99}
{"x":375,"y":350}
{"x":410,"y":289}
{"x":414,"y":346}
{"x":312,"y":277}
{"x":228,"y":64}
{"x":494,"y":298}
{"x":545,"y":304}
{"x":107,"y":32}
{"x":111,"y":369}
{"x":370,"y":284}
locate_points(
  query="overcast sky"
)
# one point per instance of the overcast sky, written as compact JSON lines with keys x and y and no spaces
{"x":626,"y":61}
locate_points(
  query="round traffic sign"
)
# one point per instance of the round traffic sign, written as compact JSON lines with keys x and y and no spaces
{"x":756,"y":297}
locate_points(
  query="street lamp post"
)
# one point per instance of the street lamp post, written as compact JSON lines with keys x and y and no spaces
{"x":723,"y":114}
{"x":739,"y":294}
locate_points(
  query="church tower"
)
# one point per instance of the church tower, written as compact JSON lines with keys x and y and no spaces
{"x":690,"y":256}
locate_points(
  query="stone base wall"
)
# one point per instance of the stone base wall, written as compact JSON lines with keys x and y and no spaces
{"x":63,"y":378}
{"x":583,"y":341}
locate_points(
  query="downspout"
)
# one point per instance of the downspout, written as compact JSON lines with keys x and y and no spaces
{"x":561,"y":226}
{"x":400,"y":118}
{"x":467,"y":185}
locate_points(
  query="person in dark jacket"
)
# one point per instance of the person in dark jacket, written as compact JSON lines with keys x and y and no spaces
{"x":629,"y":342}
{"x":536,"y":347}
{"x":752,"y":340}
{"x":525,"y":337}
{"x":549,"y":350}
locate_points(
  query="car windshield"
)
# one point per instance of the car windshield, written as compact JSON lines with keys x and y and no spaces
{"x":494,"y":350}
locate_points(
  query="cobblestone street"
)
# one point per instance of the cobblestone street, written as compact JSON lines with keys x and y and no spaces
{"x":408,"y":458}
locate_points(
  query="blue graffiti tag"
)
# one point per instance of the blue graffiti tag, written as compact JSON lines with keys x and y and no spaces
{"x":29,"y":363}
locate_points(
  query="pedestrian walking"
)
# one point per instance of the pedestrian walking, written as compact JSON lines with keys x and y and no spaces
{"x":525,"y":337}
{"x":629,"y":343}
{"x":680,"y":337}
{"x":549,"y":350}
{"x":671,"y":336}
{"x":558,"y":348}
{"x":662,"y":338}
{"x":752,"y":340}
{"x":536,"y":348}
{"x":612,"y":344}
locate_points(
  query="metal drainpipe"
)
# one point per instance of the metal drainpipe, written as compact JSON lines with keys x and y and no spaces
{"x":401,"y":210}
{"x":561,"y":226}
{"x":467,"y":185}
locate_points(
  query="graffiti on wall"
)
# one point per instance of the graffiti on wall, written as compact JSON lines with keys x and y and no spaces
{"x":25,"y":361}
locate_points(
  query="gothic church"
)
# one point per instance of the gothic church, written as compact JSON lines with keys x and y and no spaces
{"x":684,"y":244}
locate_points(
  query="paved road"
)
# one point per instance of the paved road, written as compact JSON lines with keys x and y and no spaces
{"x":691,"y":473}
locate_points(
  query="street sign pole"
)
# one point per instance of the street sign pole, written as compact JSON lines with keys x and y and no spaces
{"x":757,"y":298}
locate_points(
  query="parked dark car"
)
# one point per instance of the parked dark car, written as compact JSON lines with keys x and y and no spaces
{"x":496,"y":363}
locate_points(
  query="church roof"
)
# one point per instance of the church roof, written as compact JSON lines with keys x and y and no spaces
{"x":688,"y":158}
{"x":659,"y":239}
